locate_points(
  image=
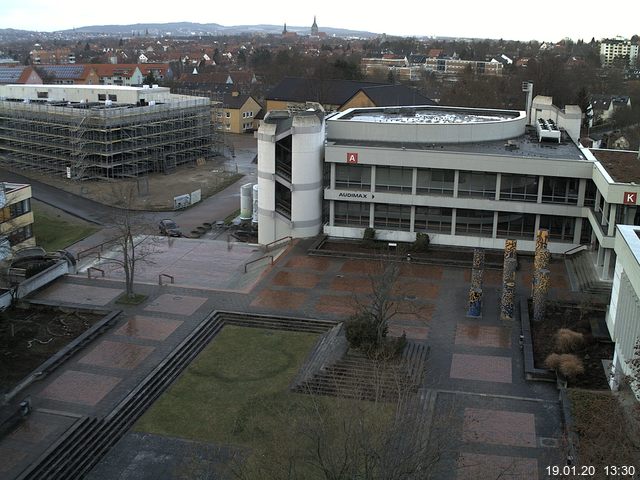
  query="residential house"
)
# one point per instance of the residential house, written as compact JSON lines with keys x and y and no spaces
{"x":68,"y":74}
{"x":127,"y":75}
{"x":603,"y":106}
{"x":19,"y":74}
{"x":294,"y":93}
{"x":238,"y":113}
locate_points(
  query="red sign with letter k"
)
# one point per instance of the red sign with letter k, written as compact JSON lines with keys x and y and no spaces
{"x":630,"y":198}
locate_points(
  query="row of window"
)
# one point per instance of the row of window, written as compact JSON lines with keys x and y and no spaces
{"x":15,"y":210}
{"x":19,"y":235}
{"x":247,"y":114}
{"x":477,"y":223}
{"x":522,"y":188}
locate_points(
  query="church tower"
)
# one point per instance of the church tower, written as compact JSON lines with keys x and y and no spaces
{"x":314,"y":28}
{"x":284,"y":32}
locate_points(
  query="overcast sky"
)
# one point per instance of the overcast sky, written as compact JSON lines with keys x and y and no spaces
{"x":508,"y":19}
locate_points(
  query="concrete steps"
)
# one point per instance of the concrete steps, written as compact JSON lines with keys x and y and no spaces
{"x":585,"y":275}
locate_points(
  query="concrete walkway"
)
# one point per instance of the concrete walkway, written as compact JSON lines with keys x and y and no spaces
{"x":491,"y":421}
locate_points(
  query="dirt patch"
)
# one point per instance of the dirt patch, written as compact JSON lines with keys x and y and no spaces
{"x":29,"y":336}
{"x":155,"y":191}
{"x":568,"y":315}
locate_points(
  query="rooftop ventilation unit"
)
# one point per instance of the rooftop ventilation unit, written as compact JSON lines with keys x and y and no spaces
{"x":548,"y":130}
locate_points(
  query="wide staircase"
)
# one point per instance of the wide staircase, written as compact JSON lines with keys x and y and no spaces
{"x":584,"y":277}
{"x":90,"y":438}
{"x":354,"y":375}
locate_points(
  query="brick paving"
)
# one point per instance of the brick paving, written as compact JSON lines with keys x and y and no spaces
{"x":116,"y":355}
{"x":499,"y":427}
{"x":176,"y":304}
{"x":79,"y":387}
{"x":478,"y":335}
{"x":492,"y":416}
{"x":486,"y":368}
{"x":150,"y":328}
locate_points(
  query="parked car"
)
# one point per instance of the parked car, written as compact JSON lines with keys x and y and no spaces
{"x":168,"y":227}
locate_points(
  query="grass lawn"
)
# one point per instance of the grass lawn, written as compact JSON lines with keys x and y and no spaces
{"x":231,"y":391}
{"x":236,"y":393}
{"x":53,"y":233}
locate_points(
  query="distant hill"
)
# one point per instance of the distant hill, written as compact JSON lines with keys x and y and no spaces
{"x":191,"y":28}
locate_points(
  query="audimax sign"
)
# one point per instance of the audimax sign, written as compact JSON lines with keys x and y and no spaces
{"x":354,"y":195}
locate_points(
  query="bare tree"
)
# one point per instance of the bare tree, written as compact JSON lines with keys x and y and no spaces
{"x":133,"y":244}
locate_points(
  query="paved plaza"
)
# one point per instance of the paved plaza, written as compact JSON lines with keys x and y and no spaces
{"x":495,"y":423}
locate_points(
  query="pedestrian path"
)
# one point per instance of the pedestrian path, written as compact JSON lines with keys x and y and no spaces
{"x":494,"y":421}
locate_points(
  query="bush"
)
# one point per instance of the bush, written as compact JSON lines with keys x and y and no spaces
{"x":570,"y":365}
{"x":422,"y":243}
{"x":360,"y":331}
{"x":567,"y":364}
{"x":369,"y":237}
{"x":552,"y":361}
{"x":567,"y":341}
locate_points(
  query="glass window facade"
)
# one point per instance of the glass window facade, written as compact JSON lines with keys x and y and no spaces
{"x":433,"y":219}
{"x":353,"y":177}
{"x":392,"y":217}
{"x":521,"y":188}
{"x":474,"y":222}
{"x":353,"y":214}
{"x":560,"y":228}
{"x":516,"y":225}
{"x":477,"y":184}
{"x":435,"y":182}
{"x":560,"y":190}
{"x":394,"y":179}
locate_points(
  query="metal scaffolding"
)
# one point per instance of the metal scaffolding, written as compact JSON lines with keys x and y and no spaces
{"x":98,"y":141}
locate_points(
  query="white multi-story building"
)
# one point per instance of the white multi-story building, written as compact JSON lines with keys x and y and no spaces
{"x":466,"y":176}
{"x":623,"y":315}
{"x":610,"y":49}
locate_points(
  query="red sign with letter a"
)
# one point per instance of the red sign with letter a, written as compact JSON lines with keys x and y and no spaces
{"x":352,"y":157}
{"x":630,"y":198}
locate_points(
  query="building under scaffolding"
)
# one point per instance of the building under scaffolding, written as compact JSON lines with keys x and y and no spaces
{"x":101,"y":132}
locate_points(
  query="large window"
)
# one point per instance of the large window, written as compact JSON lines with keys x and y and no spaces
{"x":433,"y":219}
{"x":435,"y":181}
{"x":590,"y":194}
{"x":392,"y":217}
{"x":516,"y":225}
{"x":560,"y":228}
{"x":523,"y":188}
{"x":354,"y":177}
{"x":560,"y":190}
{"x":15,"y":210}
{"x":354,"y":214}
{"x":474,"y":222}
{"x":19,"y":235}
{"x":477,"y":184}
{"x":394,"y":179}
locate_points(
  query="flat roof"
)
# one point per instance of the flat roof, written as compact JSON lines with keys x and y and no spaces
{"x":88,"y":87}
{"x":526,"y":146}
{"x":427,"y":114}
{"x":623,"y":166}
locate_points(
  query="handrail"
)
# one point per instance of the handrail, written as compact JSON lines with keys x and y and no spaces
{"x":288,"y":237}
{"x":96,"y":269}
{"x":256,"y":260}
{"x":100,"y":248}
{"x":170,"y":277}
{"x":575,"y":249}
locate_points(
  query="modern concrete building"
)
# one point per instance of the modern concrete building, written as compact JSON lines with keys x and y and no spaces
{"x":16,"y":218}
{"x":290,"y":172}
{"x":623,"y":315}
{"x":101,"y":132}
{"x":468,"y":177}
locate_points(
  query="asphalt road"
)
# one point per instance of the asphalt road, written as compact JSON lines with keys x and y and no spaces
{"x":73,"y":204}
